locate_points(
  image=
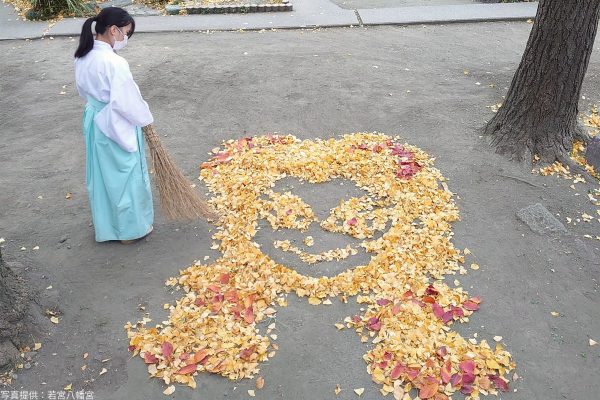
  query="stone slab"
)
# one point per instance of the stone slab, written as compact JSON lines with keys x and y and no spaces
{"x":541,"y":221}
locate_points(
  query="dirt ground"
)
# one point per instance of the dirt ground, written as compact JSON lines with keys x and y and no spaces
{"x":204,"y":88}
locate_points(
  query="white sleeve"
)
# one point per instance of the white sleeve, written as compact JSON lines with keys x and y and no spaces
{"x":126,"y":99}
{"x":125,"y":110}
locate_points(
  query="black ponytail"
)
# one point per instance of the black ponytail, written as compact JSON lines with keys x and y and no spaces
{"x":107,"y":17}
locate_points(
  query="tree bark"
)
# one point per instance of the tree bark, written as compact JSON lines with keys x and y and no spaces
{"x":539,"y":115}
{"x":14,"y":302}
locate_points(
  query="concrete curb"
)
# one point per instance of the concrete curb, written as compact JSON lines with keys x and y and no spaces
{"x":307,"y":14}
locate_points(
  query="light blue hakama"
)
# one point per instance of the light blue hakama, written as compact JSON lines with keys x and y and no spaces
{"x":117,"y":182}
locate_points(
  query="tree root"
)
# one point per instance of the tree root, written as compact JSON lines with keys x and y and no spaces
{"x":574,"y":167}
{"x":581,"y":134}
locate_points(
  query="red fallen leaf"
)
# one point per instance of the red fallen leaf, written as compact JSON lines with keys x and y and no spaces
{"x":467,"y":366}
{"x":484,"y":383}
{"x":383,"y":302}
{"x":468,"y":378}
{"x":430,"y":363}
{"x":428,"y":299}
{"x":418,"y":302}
{"x":470,"y":305}
{"x":243,"y":142}
{"x":445,"y":372}
{"x":167,"y":349}
{"x":383,"y":365}
{"x":389,"y":143}
{"x":218,"y":298}
{"x":429,"y":390}
{"x":352,"y":149}
{"x":412,"y":373}
{"x":408,"y":294}
{"x":456,"y":380}
{"x":442,"y":351}
{"x":431,"y":291}
{"x":387,"y":356}
{"x":224,"y":278}
{"x":246,"y":354}
{"x":249,"y":315}
{"x":378,"y":148}
{"x":199,"y":302}
{"x":219,"y":367}
{"x":232,"y":296}
{"x":131,"y":348}
{"x":200,"y":356}
{"x":438,"y":311}
{"x":356,"y":319}
{"x":398,"y":370}
{"x":499,"y":382}
{"x":374,"y":324}
{"x":396,"y":308}
{"x":216,"y":307}
{"x":237,"y":310}
{"x":188,"y":369}
{"x":363,"y":147}
{"x":407,"y":170}
{"x":466,"y":389}
{"x":447,"y":317}
{"x":150,"y":358}
{"x":475,"y":300}
{"x":352,"y":221}
{"x":398,"y":150}
{"x":184,"y":356}
{"x":288,"y":211}
{"x":223,"y":157}
{"x":214,"y":288}
{"x":249,"y":300}
{"x":457,"y":312}
{"x":440,"y":396}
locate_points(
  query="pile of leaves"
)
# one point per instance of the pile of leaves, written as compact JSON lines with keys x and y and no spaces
{"x":409,"y":309}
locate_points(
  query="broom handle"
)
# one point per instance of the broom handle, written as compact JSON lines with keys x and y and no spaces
{"x":151,"y":136}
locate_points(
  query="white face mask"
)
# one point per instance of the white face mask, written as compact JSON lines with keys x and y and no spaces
{"x":119,"y":44}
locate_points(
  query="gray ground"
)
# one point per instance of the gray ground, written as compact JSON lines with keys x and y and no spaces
{"x":206,"y":88}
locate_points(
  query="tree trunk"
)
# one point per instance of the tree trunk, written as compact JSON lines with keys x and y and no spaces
{"x":14,"y":302}
{"x":539,"y":115}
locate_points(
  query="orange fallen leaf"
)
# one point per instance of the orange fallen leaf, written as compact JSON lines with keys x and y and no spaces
{"x":260,"y":382}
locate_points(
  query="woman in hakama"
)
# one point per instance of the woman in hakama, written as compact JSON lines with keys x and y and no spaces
{"x":117,"y":178}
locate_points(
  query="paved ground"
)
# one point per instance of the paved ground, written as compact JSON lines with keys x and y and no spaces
{"x":355,"y":4}
{"x":306,"y":14}
{"x":206,"y":88}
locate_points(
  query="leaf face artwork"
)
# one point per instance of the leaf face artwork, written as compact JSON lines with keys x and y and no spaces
{"x":409,"y":309}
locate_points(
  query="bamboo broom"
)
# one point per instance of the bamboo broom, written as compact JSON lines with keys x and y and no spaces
{"x":178,"y":199}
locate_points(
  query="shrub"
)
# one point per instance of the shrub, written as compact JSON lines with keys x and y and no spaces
{"x":46,"y":9}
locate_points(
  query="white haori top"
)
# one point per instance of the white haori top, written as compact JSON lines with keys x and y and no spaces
{"x":105,"y":76}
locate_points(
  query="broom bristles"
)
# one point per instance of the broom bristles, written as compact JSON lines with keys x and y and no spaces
{"x":178,"y":199}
